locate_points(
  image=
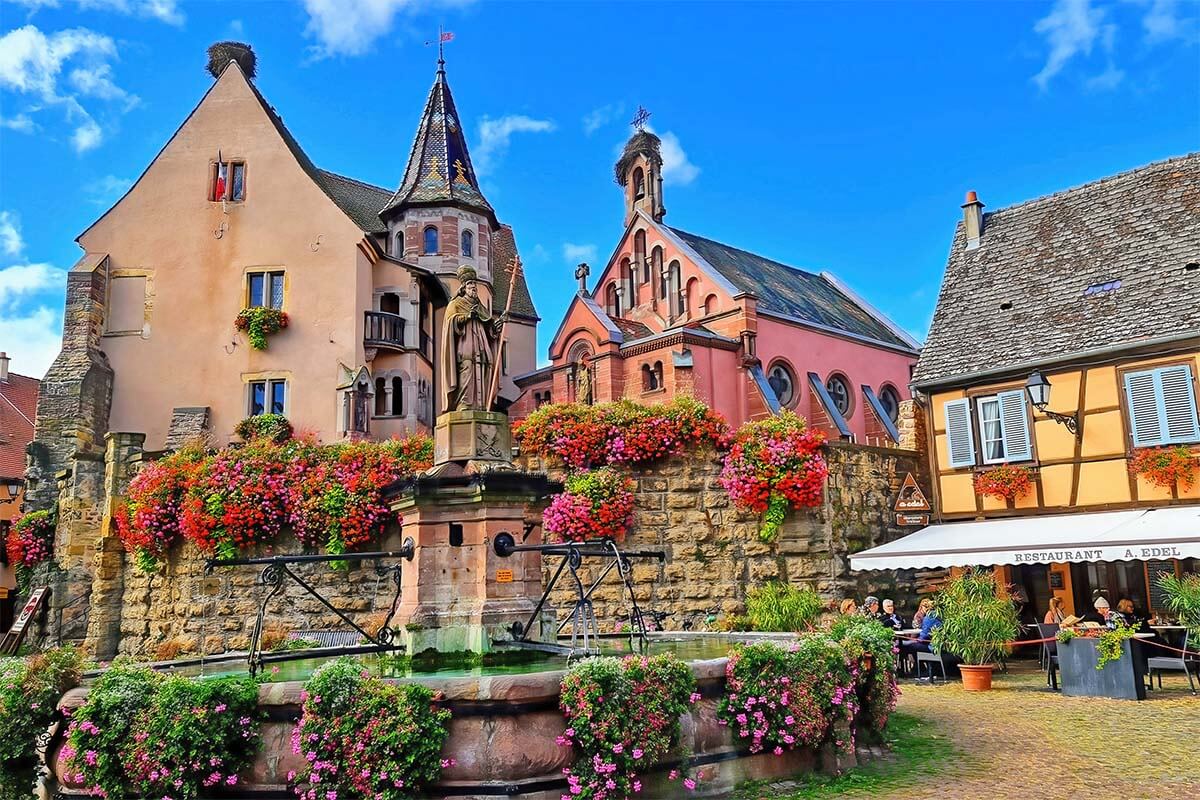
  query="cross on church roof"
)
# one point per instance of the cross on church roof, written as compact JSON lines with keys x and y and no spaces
{"x":640,"y":118}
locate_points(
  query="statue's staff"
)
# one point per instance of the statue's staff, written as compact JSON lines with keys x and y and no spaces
{"x":494,"y":389}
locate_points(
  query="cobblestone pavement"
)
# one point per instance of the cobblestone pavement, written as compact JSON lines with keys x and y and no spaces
{"x":1022,"y":741}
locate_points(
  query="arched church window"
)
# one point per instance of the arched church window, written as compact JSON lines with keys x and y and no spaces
{"x":674,"y":289}
{"x":612,"y":301}
{"x":839,"y":391}
{"x":431,"y":241}
{"x":783,"y":382}
{"x":639,"y":183}
{"x":639,"y":256}
{"x":398,"y":244}
{"x":656,"y":271}
{"x":468,"y":244}
{"x":397,"y":396}
{"x":710,"y":304}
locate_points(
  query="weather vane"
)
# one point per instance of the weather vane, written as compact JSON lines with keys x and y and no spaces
{"x":640,"y":118}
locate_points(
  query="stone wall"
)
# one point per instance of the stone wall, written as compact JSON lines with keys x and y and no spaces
{"x":714,"y":553}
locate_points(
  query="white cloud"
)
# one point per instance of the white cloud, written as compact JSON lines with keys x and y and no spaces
{"x":575,"y":253}
{"x":32,"y":63}
{"x":21,"y":122}
{"x":350,"y":27}
{"x":1071,"y":28}
{"x":494,"y":136}
{"x":23,"y":279}
{"x":596,"y":119}
{"x":11,"y":243}
{"x":677,"y":169}
{"x":236,"y":28}
{"x":539,"y":253}
{"x":1106,"y":81}
{"x":37,"y":337}
{"x":1163,"y":23}
{"x":163,"y":10}
{"x":105,"y":191}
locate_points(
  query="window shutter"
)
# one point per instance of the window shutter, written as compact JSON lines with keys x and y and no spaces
{"x":960,"y":442}
{"x":1179,"y":404}
{"x":1142,"y":397}
{"x":1014,"y":422}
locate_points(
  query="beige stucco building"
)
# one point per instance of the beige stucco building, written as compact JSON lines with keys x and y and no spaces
{"x":231,"y":214}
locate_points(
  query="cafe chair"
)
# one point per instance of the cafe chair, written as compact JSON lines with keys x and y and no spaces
{"x":930,"y":658}
{"x":1173,"y":663}
{"x":1050,"y":652}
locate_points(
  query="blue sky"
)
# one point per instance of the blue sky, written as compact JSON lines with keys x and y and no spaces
{"x":837,"y":136}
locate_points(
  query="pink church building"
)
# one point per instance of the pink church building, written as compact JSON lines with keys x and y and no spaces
{"x":674,"y":312}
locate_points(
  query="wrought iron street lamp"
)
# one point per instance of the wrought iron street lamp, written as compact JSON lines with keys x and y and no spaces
{"x":13,"y":485}
{"x":1039,"y":395}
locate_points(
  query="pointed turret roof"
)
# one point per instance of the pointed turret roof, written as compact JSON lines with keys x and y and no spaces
{"x":439,"y":167}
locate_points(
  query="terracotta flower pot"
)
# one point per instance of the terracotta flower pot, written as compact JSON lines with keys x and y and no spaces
{"x":976,"y":678}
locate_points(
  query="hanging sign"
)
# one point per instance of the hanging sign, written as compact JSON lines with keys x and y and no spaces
{"x":911,"y":497}
{"x":912,"y":519}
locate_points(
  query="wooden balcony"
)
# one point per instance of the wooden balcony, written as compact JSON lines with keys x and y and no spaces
{"x":381,"y":329}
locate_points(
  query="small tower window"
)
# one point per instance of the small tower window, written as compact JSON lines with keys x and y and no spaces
{"x":639,"y":184}
{"x":398,"y":244}
{"x":639,"y":256}
{"x":656,"y":265}
{"x":381,"y":408}
{"x":468,"y":244}
{"x":431,"y":241}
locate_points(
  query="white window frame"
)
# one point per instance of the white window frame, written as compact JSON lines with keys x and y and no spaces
{"x":984,"y":439}
{"x":268,"y":385}
{"x":1008,"y":403}
{"x":267,"y":274}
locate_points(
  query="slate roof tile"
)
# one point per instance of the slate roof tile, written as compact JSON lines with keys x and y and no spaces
{"x":1023,"y":295}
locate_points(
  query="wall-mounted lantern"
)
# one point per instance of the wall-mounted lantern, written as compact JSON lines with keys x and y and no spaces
{"x":1039,"y":395}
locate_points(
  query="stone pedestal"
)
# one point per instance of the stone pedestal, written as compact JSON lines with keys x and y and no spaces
{"x":458,"y":594}
{"x":478,"y":440}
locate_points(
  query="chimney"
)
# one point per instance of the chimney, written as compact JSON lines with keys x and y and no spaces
{"x":973,"y":219}
{"x":4,"y":367}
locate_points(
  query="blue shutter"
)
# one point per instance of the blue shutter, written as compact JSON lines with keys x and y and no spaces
{"x":1178,"y":399}
{"x":1141,"y":395}
{"x":1014,"y":422}
{"x":1162,"y":406}
{"x":960,"y":441}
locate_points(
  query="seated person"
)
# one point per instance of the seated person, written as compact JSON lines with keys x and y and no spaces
{"x":922,"y":609}
{"x":1100,"y":612}
{"x":929,"y":624}
{"x":848,"y":607}
{"x":870,"y":608}
{"x":1055,"y":615}
{"x":1127,"y":614}
{"x":890,"y":618}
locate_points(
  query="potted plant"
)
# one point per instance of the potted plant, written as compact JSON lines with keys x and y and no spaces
{"x":1183,"y":599}
{"x":977,"y":619}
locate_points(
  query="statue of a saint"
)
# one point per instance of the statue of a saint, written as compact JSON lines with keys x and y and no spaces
{"x":583,"y":383}
{"x":468,"y":353}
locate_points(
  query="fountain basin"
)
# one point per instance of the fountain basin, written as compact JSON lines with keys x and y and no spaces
{"x":502,"y":736}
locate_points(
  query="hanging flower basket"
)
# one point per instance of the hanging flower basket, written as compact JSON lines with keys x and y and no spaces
{"x":258,"y":323}
{"x":1167,"y":467}
{"x":1005,"y":482}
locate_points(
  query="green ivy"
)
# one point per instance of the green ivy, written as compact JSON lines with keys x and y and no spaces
{"x":260,"y":322}
{"x":1111,"y":644}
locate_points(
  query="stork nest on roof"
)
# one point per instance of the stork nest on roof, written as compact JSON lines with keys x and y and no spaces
{"x":641,"y":143}
{"x":221,"y":53}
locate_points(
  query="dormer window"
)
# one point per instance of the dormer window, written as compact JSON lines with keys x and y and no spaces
{"x":228,"y":181}
{"x":430,"y":241}
{"x":468,"y":244}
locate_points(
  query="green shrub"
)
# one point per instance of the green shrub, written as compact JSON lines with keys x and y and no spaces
{"x":272,"y":427}
{"x":777,"y":606}
{"x":1183,"y":599}
{"x":976,"y":619}
{"x":622,"y":718}
{"x":144,"y":734}
{"x":365,"y":739}
{"x":29,"y":691}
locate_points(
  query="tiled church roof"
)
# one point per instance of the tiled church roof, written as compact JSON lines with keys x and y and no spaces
{"x":790,"y":291}
{"x":504,"y":249}
{"x":1100,"y":265}
{"x":439,"y":167}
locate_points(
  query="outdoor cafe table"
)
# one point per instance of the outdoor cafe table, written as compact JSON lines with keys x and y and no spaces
{"x":1122,"y":679}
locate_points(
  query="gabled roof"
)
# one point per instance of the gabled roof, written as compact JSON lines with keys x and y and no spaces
{"x":1043,"y":282}
{"x":439,"y":167}
{"x":18,"y":411}
{"x":504,"y":250}
{"x":588,"y":302}
{"x":793,"y":292}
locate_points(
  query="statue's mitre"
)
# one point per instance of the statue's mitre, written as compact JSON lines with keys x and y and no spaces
{"x":467,"y":273}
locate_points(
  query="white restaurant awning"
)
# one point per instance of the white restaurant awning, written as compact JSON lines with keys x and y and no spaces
{"x":1143,"y":534}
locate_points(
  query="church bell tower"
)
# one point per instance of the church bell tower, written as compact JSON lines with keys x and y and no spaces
{"x":639,"y":171}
